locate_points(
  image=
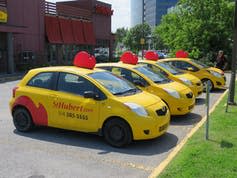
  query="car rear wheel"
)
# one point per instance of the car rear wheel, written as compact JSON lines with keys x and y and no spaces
{"x":22,"y":120}
{"x":117,"y":133}
{"x":204,"y":82}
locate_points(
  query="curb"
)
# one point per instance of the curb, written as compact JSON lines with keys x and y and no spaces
{"x":156,"y":172}
{"x":10,"y":78}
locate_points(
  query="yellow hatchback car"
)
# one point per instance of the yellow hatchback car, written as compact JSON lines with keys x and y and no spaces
{"x":88,"y":100}
{"x":204,"y":73}
{"x":175,"y":74}
{"x":177,"y":96}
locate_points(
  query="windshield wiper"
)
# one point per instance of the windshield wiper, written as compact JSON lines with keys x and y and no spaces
{"x":177,"y":73}
{"x":132,"y":90}
{"x":163,"y":81}
{"x":159,"y":81}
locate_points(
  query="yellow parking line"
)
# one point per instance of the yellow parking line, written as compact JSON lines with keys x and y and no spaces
{"x":173,"y":153}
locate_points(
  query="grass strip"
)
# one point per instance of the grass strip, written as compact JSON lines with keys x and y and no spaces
{"x":214,"y":158}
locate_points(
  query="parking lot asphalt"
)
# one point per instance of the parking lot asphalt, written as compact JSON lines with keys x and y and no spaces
{"x":50,"y":152}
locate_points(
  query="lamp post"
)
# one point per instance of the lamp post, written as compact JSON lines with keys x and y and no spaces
{"x":149,"y":40}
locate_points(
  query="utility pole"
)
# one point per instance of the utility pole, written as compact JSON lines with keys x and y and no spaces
{"x":143,"y":11}
{"x":142,"y":40}
{"x":231,"y":98}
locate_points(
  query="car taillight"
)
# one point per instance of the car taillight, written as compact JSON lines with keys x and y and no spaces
{"x":14,"y":92}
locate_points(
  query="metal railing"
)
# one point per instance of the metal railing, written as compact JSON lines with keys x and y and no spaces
{"x":67,"y":11}
{"x":50,"y":8}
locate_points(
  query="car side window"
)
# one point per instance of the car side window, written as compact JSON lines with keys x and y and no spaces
{"x":185,"y":65}
{"x":173,"y":63}
{"x":178,"y":64}
{"x":129,"y":75}
{"x":157,"y":69}
{"x":75,"y":84}
{"x":42,"y":80}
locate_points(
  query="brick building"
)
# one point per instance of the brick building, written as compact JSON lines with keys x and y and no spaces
{"x":35,"y":32}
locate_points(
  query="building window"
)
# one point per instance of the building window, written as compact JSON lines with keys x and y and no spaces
{"x":52,"y":54}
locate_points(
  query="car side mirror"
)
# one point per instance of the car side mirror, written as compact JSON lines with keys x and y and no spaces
{"x":139,"y":83}
{"x":90,"y":94}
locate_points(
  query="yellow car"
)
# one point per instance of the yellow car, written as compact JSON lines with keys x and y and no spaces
{"x":177,"y":96}
{"x":175,"y":74}
{"x":204,"y":73}
{"x":88,"y":100}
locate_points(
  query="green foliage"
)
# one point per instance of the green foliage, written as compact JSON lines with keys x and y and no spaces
{"x":199,"y":27}
{"x":134,"y":35}
{"x":120,"y":34}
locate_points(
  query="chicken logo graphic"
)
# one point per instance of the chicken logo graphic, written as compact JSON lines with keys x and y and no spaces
{"x":39,"y":114}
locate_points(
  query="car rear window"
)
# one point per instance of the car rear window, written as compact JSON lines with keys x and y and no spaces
{"x":42,"y":80}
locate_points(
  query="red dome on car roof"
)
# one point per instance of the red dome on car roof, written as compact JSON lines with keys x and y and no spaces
{"x":151,"y":55}
{"x":129,"y":57}
{"x":181,"y":54}
{"x":84,"y":60}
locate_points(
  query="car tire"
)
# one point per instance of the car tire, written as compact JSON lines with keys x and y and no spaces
{"x":204,"y":82}
{"x":22,"y":120}
{"x":117,"y":132}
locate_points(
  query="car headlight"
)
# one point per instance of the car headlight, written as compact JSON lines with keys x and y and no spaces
{"x":172,"y":92}
{"x":186,"y":81}
{"x":216,"y":74}
{"x":139,"y":110}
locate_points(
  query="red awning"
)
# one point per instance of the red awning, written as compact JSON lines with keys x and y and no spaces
{"x":89,"y":33}
{"x":53,"y":29}
{"x":66,"y":31}
{"x":77,"y":29}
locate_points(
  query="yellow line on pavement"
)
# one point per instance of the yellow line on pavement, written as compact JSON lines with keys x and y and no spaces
{"x":156,"y":172}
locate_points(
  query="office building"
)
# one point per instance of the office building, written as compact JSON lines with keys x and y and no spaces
{"x":151,"y":10}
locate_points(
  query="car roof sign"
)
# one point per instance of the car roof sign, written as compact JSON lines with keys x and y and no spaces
{"x":151,"y":55}
{"x":84,"y":60}
{"x":181,"y":54}
{"x":129,"y":57}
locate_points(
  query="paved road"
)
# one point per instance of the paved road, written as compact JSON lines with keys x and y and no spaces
{"x":48,"y":152}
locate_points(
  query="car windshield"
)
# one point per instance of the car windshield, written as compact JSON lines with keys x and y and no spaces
{"x":199,"y":64}
{"x":115,"y":84}
{"x":156,"y":77}
{"x":170,"y":68}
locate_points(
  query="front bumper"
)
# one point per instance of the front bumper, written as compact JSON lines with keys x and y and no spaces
{"x":182,"y":106}
{"x":197,"y":89}
{"x":152,"y":127}
{"x":220,"y":83}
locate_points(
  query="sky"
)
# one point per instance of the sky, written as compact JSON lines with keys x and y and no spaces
{"x":121,"y":16}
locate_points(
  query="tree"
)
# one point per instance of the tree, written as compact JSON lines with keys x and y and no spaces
{"x":134,"y":35}
{"x":121,"y":34}
{"x":202,"y":27}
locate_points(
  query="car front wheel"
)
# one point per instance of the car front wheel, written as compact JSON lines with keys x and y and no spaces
{"x":117,"y":133}
{"x":204,"y":82}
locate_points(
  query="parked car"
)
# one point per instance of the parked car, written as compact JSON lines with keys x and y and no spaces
{"x":214,"y":75}
{"x":179,"y":98}
{"x":86,"y":99}
{"x":191,"y":81}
